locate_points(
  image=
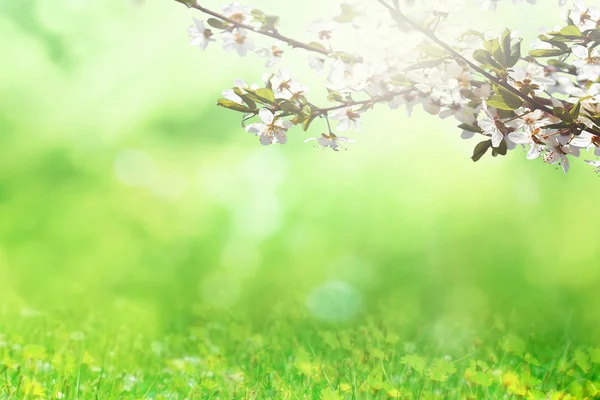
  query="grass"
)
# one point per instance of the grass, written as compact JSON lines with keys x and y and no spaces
{"x":289,"y":355}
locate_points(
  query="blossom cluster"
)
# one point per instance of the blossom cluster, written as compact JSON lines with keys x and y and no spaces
{"x":546,"y":101}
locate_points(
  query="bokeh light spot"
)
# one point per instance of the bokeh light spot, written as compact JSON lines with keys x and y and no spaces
{"x":334,"y":301}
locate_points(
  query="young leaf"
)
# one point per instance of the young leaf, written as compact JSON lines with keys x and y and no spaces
{"x":571,"y":30}
{"x":574,"y":113}
{"x":506,"y":50}
{"x":510,"y":98}
{"x":547,"y":52}
{"x":232,"y":105}
{"x":498,"y":102}
{"x":515,"y":54}
{"x":217,"y":23}
{"x":502,"y":149}
{"x":470,"y":128}
{"x":348,"y":14}
{"x":270,"y":23}
{"x":481,"y":149}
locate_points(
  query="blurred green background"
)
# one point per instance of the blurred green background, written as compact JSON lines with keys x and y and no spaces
{"x":123,"y":187}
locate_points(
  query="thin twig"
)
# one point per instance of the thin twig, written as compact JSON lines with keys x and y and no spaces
{"x":272,"y":34}
{"x":374,"y":100}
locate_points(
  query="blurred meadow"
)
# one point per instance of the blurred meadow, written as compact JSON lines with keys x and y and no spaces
{"x":150,"y":248}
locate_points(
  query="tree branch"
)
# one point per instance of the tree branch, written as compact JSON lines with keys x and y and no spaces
{"x":374,"y":100}
{"x":402,"y":19}
{"x":272,"y":34}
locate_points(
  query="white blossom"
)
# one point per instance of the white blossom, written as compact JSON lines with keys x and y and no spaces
{"x":489,"y":125}
{"x":273,"y":53}
{"x":331,"y":141}
{"x":585,"y":56}
{"x":200,"y":35}
{"x":237,"y":13}
{"x":284,"y":87}
{"x":557,"y":150}
{"x":271,"y":130}
{"x":238,"y":40}
{"x":347,"y":119}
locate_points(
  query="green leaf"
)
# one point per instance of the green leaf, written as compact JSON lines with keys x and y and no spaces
{"x":556,"y":43}
{"x":335,"y":96}
{"x":317,"y":46}
{"x":562,"y":65}
{"x":481,"y":149}
{"x":245,"y":98}
{"x":571,"y":30}
{"x":266,"y":94}
{"x":501,"y":150}
{"x":547,"y":52}
{"x":263,"y":95}
{"x":511,"y":99}
{"x":217,"y":23}
{"x":574,"y":113}
{"x":560,"y":125}
{"x":498,"y":102}
{"x":309,"y":117}
{"x":257,"y":14}
{"x":289,"y":107}
{"x":348,"y":14}
{"x":232,"y":105}
{"x":593,"y":34}
{"x":482,"y":56}
{"x":270,"y":23}
{"x":470,"y":128}
{"x":493,"y":46}
{"x":506,"y":50}
{"x":515,"y":54}
{"x":562,"y":114}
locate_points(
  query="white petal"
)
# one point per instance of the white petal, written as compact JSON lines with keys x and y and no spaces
{"x":229,"y":45}
{"x":497,"y":137}
{"x":487,"y":125}
{"x":285,"y":124}
{"x":520,"y":137}
{"x":256,"y":128}
{"x":580,"y":51}
{"x":266,"y":140}
{"x":266,"y":115}
{"x":534,"y":152}
{"x":564,"y":162}
{"x":343,"y":125}
{"x":281,"y":137}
